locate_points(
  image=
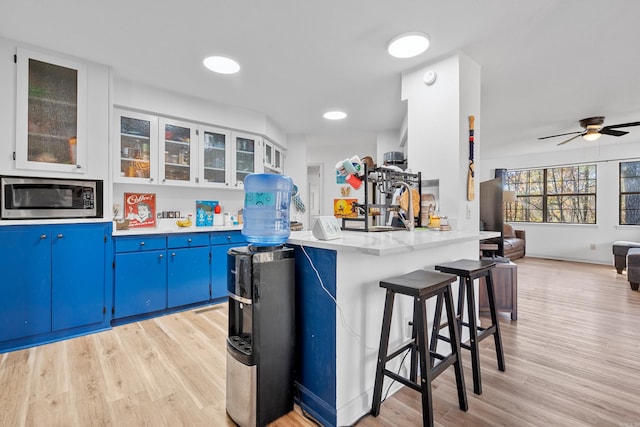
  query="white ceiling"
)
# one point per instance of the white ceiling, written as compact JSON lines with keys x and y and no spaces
{"x":545,"y":63}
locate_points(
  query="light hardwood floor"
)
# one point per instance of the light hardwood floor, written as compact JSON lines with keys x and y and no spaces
{"x":573,"y":359}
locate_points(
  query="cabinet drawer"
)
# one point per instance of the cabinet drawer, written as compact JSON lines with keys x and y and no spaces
{"x":140,"y":243}
{"x":223,"y":238}
{"x":188,"y":240}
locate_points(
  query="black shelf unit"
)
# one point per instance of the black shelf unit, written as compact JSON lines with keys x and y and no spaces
{"x":380,"y":181}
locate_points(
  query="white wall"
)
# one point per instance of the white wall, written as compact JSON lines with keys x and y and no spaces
{"x":437,"y":140}
{"x":570,"y":241}
{"x":142,"y":97}
{"x":327,"y":152}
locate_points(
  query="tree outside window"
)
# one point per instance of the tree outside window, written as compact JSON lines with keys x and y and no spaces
{"x":629,"y":193}
{"x":554,"y":195}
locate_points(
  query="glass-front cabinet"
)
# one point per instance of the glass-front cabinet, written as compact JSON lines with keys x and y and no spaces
{"x":155,"y":150}
{"x":51,"y":113}
{"x":136,"y":155}
{"x":245,"y":157}
{"x":215,"y":157}
{"x":272,"y":158}
{"x":178,"y":152}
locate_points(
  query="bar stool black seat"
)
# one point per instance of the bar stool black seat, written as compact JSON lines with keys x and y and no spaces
{"x":468,"y":270}
{"x":420,"y":285}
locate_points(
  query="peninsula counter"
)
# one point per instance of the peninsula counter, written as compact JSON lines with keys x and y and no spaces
{"x":339,"y":308}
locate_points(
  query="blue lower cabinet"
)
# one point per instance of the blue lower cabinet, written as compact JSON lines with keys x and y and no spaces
{"x":78,"y":275}
{"x":140,"y":275}
{"x":53,"y":282}
{"x":25,"y":288}
{"x":221,"y":242}
{"x":188,"y":276}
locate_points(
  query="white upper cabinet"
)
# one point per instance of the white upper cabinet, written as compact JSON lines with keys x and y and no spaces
{"x":178,"y":152}
{"x":246,"y":157}
{"x":156,"y":150}
{"x":273,"y":158}
{"x":51,"y":113}
{"x":135,"y":147}
{"x":215,"y":157}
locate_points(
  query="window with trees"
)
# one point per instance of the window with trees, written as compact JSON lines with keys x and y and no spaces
{"x":630,"y":193}
{"x":564,"y":194}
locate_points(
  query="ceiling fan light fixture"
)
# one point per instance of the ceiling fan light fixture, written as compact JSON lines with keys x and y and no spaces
{"x":408,"y":45}
{"x":592,"y":134}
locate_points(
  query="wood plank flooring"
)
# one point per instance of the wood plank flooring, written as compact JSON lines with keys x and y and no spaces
{"x":573,"y":359}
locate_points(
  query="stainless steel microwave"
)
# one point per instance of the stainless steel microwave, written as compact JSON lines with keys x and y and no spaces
{"x":42,"y":198}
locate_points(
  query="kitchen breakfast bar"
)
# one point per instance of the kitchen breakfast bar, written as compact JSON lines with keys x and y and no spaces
{"x":339,"y":307}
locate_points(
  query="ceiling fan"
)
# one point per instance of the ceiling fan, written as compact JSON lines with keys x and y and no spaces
{"x":593,"y":130}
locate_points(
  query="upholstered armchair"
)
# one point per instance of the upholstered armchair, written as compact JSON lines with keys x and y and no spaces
{"x":514,"y":242}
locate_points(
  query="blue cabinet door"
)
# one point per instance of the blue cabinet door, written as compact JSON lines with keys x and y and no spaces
{"x":188,"y":276}
{"x":78,"y":274}
{"x":25,"y":288}
{"x":141,"y":283}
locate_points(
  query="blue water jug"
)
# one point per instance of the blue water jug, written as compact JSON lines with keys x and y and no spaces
{"x":267,"y":198}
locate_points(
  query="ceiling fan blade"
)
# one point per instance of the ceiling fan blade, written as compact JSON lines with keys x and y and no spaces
{"x":561,"y":134}
{"x":622,"y":125}
{"x":571,"y":139}
{"x":612,"y":132}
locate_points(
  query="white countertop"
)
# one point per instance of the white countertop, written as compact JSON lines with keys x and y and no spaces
{"x":172,"y":228}
{"x":388,"y":242}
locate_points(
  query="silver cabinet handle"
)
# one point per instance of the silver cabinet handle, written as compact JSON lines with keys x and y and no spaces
{"x":60,"y":236}
{"x":150,"y":179}
{"x":43,"y":236}
{"x":141,"y":243}
{"x":173,"y":254}
{"x":161,"y":255}
{"x":189,"y":241}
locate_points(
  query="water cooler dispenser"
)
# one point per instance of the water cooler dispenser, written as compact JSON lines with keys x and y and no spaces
{"x":260,"y":345}
{"x":260,"y":283}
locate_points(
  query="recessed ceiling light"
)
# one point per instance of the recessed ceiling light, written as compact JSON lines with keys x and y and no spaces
{"x":221,"y":64}
{"x":334,"y":115}
{"x":408,"y":45}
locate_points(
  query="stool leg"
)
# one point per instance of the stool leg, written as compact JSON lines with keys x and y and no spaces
{"x":455,"y":348}
{"x":494,"y":319}
{"x":461,"y":299}
{"x":473,"y":337}
{"x":382,"y":353}
{"x":435,"y":330}
{"x":425,"y":370}
{"x":413,"y":372}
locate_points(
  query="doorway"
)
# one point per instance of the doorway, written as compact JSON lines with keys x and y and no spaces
{"x":314,"y":184}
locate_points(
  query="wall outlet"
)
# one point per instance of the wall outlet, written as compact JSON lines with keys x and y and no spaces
{"x":592,"y":246}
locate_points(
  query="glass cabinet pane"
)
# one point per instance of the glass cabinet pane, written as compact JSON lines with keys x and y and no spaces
{"x":278,"y":161}
{"x":215,"y":155}
{"x":135,"y":147}
{"x":268,"y":154}
{"x":245,"y":157}
{"x":177,"y":153}
{"x":52,"y":113}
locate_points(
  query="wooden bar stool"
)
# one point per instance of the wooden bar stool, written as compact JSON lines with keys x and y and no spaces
{"x":420,"y":285}
{"x":468,"y":270}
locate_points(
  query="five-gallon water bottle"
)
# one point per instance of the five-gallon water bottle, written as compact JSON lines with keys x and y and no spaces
{"x":267,"y":198}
